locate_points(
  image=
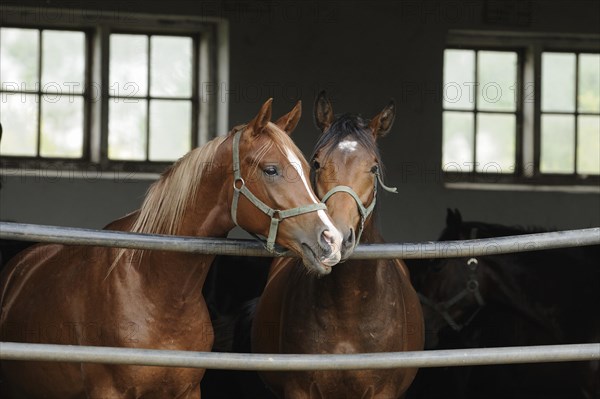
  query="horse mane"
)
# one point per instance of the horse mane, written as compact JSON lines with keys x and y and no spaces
{"x":166,"y":200}
{"x":164,"y":205}
{"x":485,"y":230}
{"x":344,"y":126}
{"x":457,"y":229}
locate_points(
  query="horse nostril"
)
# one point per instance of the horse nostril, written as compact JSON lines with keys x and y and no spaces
{"x":327,"y":237}
{"x":327,"y":242}
{"x":350,"y":239}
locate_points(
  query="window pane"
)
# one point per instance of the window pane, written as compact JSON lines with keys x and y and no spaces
{"x":19,"y":123}
{"x":457,"y":151}
{"x":19,"y":49}
{"x":170,"y":128}
{"x":171,"y":66}
{"x":496,"y":135}
{"x":128,"y":74}
{"x":127,"y":130}
{"x":558,"y":82}
{"x":459,"y":79}
{"x":588,"y":145}
{"x":589,"y":83}
{"x":558,"y":144}
{"x":497,"y":72}
{"x":61,"y":126}
{"x":63,"y":61}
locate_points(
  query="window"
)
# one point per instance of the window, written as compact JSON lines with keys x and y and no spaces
{"x":150,"y":91}
{"x":480,"y":124}
{"x":521,"y":109}
{"x":37,"y":66}
{"x":81,"y":90}
{"x":570,"y":139}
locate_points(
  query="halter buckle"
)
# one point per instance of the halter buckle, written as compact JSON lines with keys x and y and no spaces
{"x":276,"y":215}
{"x":238,"y":179}
{"x":472,"y":285}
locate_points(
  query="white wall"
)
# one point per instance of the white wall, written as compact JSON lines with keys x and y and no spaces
{"x":363,"y":54}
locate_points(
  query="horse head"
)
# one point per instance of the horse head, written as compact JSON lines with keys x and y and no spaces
{"x":348,"y":167}
{"x":271,"y":194}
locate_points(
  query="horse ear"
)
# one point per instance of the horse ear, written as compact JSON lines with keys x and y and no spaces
{"x":289,"y":121}
{"x":453,"y":219}
{"x":458,"y":216}
{"x":323,"y":112}
{"x":382,"y":123}
{"x":262,"y":118}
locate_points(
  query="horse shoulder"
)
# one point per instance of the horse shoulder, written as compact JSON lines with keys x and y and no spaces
{"x":21,"y":269}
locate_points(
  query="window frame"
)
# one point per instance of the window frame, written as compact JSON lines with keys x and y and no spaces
{"x":529,"y":47}
{"x":209,"y":66}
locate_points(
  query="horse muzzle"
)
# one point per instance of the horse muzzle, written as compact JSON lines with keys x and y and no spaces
{"x":320,"y":258}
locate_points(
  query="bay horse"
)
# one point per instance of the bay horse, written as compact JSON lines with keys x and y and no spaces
{"x":362,"y":305}
{"x":531,"y":298}
{"x":254,"y":177}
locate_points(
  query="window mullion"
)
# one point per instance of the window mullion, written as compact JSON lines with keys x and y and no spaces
{"x":576,"y":116}
{"x":148,"y":82}
{"x":529,"y":112}
{"x":475,"y":111}
{"x":40,"y":95}
{"x":194,"y":142}
{"x":99,"y":96}
{"x":88,"y":96}
{"x":536,"y":109}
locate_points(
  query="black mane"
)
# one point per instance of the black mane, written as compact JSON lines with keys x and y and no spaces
{"x":344,"y":126}
{"x":457,"y":229}
{"x":472,"y":230}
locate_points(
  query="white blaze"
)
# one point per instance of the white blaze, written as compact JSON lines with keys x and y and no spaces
{"x":347,"y":145}
{"x":322,"y":215}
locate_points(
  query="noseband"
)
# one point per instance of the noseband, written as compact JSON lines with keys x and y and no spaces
{"x":276,"y":215}
{"x":471,"y":288}
{"x":364,"y":211}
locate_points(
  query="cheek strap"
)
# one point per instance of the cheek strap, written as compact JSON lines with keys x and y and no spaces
{"x":276,"y":215}
{"x":364,"y":211}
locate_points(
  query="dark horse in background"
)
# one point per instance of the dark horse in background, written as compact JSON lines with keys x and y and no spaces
{"x":531,"y":298}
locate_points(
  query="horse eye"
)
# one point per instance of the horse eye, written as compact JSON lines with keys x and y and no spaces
{"x":375,"y":169}
{"x":316,"y":164}
{"x":270,"y":171}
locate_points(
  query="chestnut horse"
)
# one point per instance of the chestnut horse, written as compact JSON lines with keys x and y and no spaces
{"x":152,"y":299}
{"x":362,"y":305}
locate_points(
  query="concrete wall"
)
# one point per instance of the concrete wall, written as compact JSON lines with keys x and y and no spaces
{"x":363,"y":53}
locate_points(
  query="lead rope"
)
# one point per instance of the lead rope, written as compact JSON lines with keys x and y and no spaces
{"x":276,"y":215}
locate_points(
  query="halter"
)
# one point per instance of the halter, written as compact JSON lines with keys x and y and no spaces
{"x":472,"y":288}
{"x":276,"y":215}
{"x":364,"y":211}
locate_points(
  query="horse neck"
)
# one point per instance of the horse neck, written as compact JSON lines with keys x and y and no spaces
{"x":358,"y":280}
{"x":206,"y":216}
{"x":506,"y":289}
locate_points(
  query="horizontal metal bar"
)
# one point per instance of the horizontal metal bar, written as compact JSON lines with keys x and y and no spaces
{"x":221,"y":246}
{"x":246,"y":361}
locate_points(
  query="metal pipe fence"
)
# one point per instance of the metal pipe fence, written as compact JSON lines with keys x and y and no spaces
{"x":248,"y":361}
{"x":438,"y":358}
{"x":221,"y":246}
